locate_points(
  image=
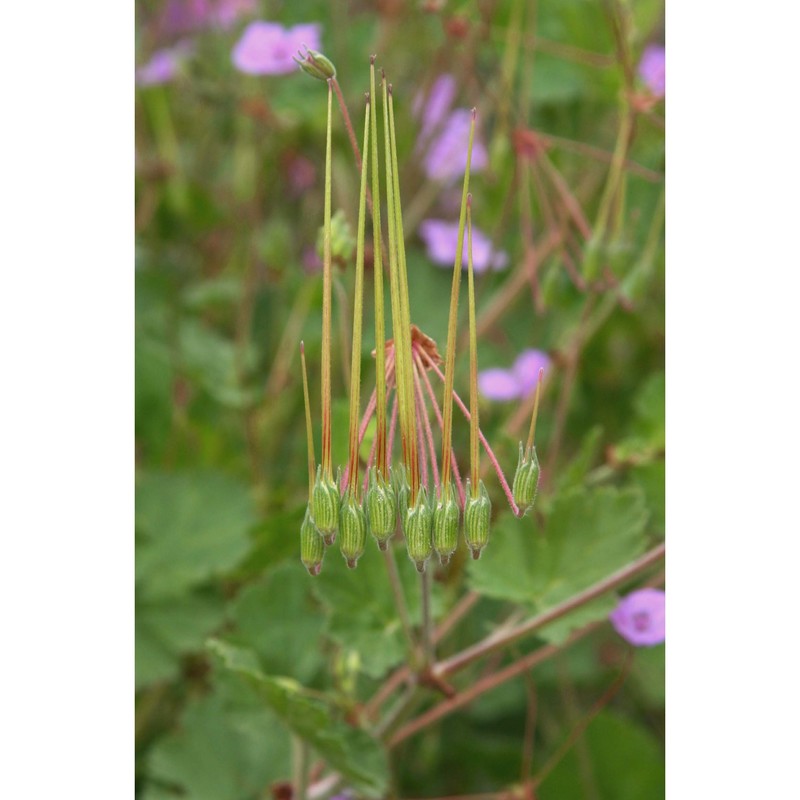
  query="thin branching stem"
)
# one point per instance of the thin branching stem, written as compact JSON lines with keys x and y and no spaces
{"x":450,"y":357}
{"x":501,"y":639}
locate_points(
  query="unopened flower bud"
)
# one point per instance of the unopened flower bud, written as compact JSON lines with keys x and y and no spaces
{"x":352,"y":529}
{"x":312,"y":548}
{"x":316,"y":65}
{"x":381,"y":506}
{"x":477,"y":513}
{"x":325,"y":507}
{"x":445,"y":524}
{"x":418,"y":530}
{"x":526,"y":479}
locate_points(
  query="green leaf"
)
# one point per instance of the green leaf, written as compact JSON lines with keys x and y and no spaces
{"x":285,"y":643}
{"x":647,"y":438}
{"x":219,"y":753}
{"x":193,"y":526}
{"x":214,"y":363}
{"x":363,"y":615}
{"x":350,"y":751}
{"x":575,"y":472}
{"x":588,"y":535}
{"x":167,"y":629}
{"x":627,"y":763}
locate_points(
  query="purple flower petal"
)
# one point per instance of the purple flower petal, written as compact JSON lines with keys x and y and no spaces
{"x":652,"y":68}
{"x":228,"y":12}
{"x":446,"y":157}
{"x":526,"y":369}
{"x":267,"y":48}
{"x":639,"y":617}
{"x":498,"y":384}
{"x":437,"y":104}
{"x":163,"y":65}
{"x":183,"y":16}
{"x":441,"y":241}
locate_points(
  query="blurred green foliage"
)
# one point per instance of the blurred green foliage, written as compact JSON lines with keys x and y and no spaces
{"x":237,"y":649}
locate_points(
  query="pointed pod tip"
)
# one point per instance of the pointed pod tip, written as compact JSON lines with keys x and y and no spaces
{"x":329,"y":539}
{"x":444,"y":559}
{"x":390,"y":88}
{"x":372,"y":59}
{"x":302,"y":348}
{"x":476,"y":554}
{"x":469,"y":200}
{"x":383,"y":545}
{"x":351,"y":563}
{"x":366,"y":97}
{"x":420,"y":565}
{"x":314,"y":569}
{"x":474,"y":114}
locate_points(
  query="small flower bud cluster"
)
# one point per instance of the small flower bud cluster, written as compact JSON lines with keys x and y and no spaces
{"x":427,"y":503}
{"x":477,"y":515}
{"x":526,"y":479}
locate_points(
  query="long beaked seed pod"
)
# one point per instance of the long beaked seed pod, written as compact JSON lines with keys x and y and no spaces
{"x":325,"y":506}
{"x":445,"y":524}
{"x":381,"y":506}
{"x":477,"y":514}
{"x":526,"y":479}
{"x":419,"y":530}
{"x":352,"y":529}
{"x":312,"y":548}
{"x":401,"y":491}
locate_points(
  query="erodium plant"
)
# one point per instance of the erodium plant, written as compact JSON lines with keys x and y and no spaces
{"x":422,"y":494}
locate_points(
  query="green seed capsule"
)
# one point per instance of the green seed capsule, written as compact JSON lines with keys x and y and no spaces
{"x":418,"y":531}
{"x":325,"y":507}
{"x":445,"y":524}
{"x":401,"y":492}
{"x":312,"y":548}
{"x":317,"y":65}
{"x":526,"y":479}
{"x":381,"y":506}
{"x":477,"y":513}
{"x":353,"y":529}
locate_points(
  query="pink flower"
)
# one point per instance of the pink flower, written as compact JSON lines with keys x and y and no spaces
{"x":517,"y":382}
{"x":436,"y":105}
{"x":639,"y":617}
{"x":441,"y":241}
{"x":183,"y":16}
{"x":163,"y":65}
{"x":652,"y":68}
{"x":267,"y":48}
{"x":446,"y":156}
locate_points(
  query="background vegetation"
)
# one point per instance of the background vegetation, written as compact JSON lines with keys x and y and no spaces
{"x":241,"y":656}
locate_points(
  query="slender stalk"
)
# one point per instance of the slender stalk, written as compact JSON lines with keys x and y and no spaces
{"x":327,"y":468}
{"x":358,"y":313}
{"x":474,"y":457}
{"x":535,"y":414}
{"x":428,"y":652}
{"x":312,"y":467}
{"x":403,"y":347}
{"x":400,"y":599}
{"x":380,"y":324}
{"x":486,"y":446}
{"x":450,"y":358}
{"x":436,"y":410}
{"x":492,"y":680}
{"x":351,"y":134}
{"x":498,"y":641}
{"x":397,"y":324}
{"x":300,"y":767}
{"x":583,"y":724}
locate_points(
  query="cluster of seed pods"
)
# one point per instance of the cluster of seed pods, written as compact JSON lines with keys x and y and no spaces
{"x":428,"y":503}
